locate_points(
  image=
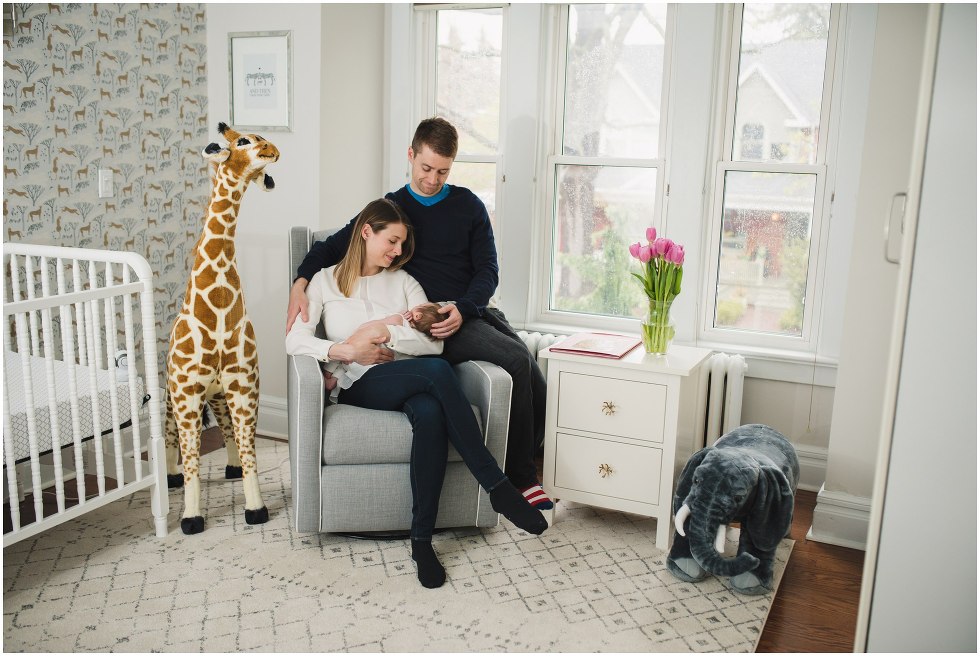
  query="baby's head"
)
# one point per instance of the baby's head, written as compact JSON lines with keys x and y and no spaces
{"x":423,"y":316}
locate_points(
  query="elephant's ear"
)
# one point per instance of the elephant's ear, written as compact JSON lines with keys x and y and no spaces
{"x":771,"y":515}
{"x":687,"y":476}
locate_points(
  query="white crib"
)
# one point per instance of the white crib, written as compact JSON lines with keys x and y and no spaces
{"x":81,"y":393}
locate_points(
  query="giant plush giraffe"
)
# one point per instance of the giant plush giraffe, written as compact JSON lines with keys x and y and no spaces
{"x":212,"y":356}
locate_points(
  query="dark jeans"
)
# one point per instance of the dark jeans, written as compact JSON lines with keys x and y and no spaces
{"x":491,"y":338}
{"x":427,"y":390}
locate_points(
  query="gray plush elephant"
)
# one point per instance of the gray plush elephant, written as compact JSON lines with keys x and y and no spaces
{"x":749,"y":475}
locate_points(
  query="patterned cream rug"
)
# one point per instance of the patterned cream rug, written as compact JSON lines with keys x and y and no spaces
{"x":594,"y":582}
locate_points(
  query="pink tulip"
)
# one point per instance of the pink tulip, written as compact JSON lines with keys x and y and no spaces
{"x":675,"y":254}
{"x":635,"y":249}
{"x":661,"y":246}
{"x":651,"y":235}
{"x":645,"y":254}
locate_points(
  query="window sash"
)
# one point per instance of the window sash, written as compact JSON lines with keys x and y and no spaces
{"x":427,"y":52}
{"x":543,"y":273}
{"x":816,"y":263}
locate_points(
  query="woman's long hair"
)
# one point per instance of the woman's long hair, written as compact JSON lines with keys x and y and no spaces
{"x":378,"y":214}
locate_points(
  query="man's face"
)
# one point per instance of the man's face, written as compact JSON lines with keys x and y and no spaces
{"x":429,"y":171}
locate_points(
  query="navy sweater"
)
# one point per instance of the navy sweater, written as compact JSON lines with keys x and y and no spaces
{"x":455,"y":256}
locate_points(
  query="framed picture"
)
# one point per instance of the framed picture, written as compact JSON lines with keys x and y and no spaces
{"x":260,"y":71}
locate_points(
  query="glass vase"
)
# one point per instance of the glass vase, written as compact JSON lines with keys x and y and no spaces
{"x":658,"y":327}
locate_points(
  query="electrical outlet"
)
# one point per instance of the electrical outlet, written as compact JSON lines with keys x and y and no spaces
{"x":105,"y":183}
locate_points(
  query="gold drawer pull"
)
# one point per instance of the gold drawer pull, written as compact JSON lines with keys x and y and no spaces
{"x":608,"y":408}
{"x":605,"y":470}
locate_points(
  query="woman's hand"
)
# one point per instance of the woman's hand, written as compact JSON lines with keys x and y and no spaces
{"x":361,"y":350}
{"x":364,"y":346}
{"x":449,"y":326}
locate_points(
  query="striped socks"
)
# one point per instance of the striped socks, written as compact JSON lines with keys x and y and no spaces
{"x":536,"y":497}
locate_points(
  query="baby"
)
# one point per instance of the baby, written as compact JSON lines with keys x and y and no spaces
{"x":421,"y":317}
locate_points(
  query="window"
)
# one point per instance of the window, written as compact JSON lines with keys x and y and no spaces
{"x":463,"y":48}
{"x":768,"y":202}
{"x":606,"y":165}
{"x":583,"y":124}
{"x":753,"y":136}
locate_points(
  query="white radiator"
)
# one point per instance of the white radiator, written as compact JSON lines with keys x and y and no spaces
{"x":721,"y":395}
{"x":537,"y":341}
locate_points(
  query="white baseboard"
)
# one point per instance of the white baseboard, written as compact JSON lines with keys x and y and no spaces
{"x":813,"y":467}
{"x":273,"y":420}
{"x":841,"y":519}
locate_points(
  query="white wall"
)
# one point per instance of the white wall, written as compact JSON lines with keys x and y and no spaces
{"x":924,"y":595}
{"x":265,"y":217}
{"x":331,"y":163}
{"x":351,"y":112}
{"x":888,"y":148}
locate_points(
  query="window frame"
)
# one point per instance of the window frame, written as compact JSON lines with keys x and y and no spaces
{"x":822,"y":169}
{"x":426,"y":22}
{"x":553,"y":111}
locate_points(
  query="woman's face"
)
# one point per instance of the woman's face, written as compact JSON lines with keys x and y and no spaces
{"x":383,"y":247}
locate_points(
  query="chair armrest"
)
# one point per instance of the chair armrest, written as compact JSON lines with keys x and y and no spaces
{"x":300,"y":240}
{"x":304,"y":387}
{"x":488,"y":387}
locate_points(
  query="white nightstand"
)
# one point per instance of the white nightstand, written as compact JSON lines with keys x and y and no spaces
{"x":619,"y":431}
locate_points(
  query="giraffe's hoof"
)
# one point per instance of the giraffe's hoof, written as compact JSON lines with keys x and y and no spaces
{"x":192,"y":525}
{"x":175,"y":480}
{"x":233,"y":473}
{"x":260,"y":516}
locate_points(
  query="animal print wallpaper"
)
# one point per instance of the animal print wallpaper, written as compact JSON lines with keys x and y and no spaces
{"x":117,"y":86}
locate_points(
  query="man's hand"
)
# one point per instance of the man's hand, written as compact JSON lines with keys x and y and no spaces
{"x":450,"y":324}
{"x":298,"y":303}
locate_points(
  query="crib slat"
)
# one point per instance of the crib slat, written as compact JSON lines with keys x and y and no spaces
{"x":29,"y":292}
{"x":93,"y":283}
{"x":131,"y":365}
{"x":69,"y":339}
{"x":111,"y":349}
{"x":23,"y":346}
{"x":48,"y":342}
{"x":91,"y":340}
{"x":76,"y":278}
{"x":8,"y":429}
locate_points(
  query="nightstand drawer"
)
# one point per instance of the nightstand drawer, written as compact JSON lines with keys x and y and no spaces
{"x":612,"y":406}
{"x":608,"y":468}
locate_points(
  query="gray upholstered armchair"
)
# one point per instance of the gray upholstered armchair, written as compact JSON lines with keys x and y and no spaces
{"x":349,"y":466}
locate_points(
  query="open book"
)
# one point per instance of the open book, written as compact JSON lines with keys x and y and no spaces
{"x":600,"y":345}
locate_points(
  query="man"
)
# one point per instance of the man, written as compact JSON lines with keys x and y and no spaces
{"x":455,"y":261}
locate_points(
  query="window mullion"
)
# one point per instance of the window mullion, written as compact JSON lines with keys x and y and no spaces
{"x":478,"y":159}
{"x":607,"y":161}
{"x":774,"y":167}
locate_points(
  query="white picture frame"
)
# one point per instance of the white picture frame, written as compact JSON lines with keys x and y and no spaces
{"x":260,"y":81}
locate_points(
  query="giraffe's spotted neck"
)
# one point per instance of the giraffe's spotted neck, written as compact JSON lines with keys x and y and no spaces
{"x":226,"y":199}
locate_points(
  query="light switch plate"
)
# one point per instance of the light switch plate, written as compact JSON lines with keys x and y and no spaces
{"x":105,"y":183}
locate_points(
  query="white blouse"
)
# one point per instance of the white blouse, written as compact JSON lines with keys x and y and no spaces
{"x":373,"y":297}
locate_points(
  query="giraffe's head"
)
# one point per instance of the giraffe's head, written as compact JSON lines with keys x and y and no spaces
{"x":244,"y":155}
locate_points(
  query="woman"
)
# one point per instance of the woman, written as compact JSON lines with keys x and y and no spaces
{"x":367,"y":283}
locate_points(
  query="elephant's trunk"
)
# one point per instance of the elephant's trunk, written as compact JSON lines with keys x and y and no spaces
{"x":707,"y":541}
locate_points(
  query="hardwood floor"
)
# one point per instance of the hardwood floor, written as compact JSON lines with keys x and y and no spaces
{"x":815,"y":609}
{"x":816,"y":605}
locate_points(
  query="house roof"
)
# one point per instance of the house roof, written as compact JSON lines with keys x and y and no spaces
{"x":795,"y":69}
